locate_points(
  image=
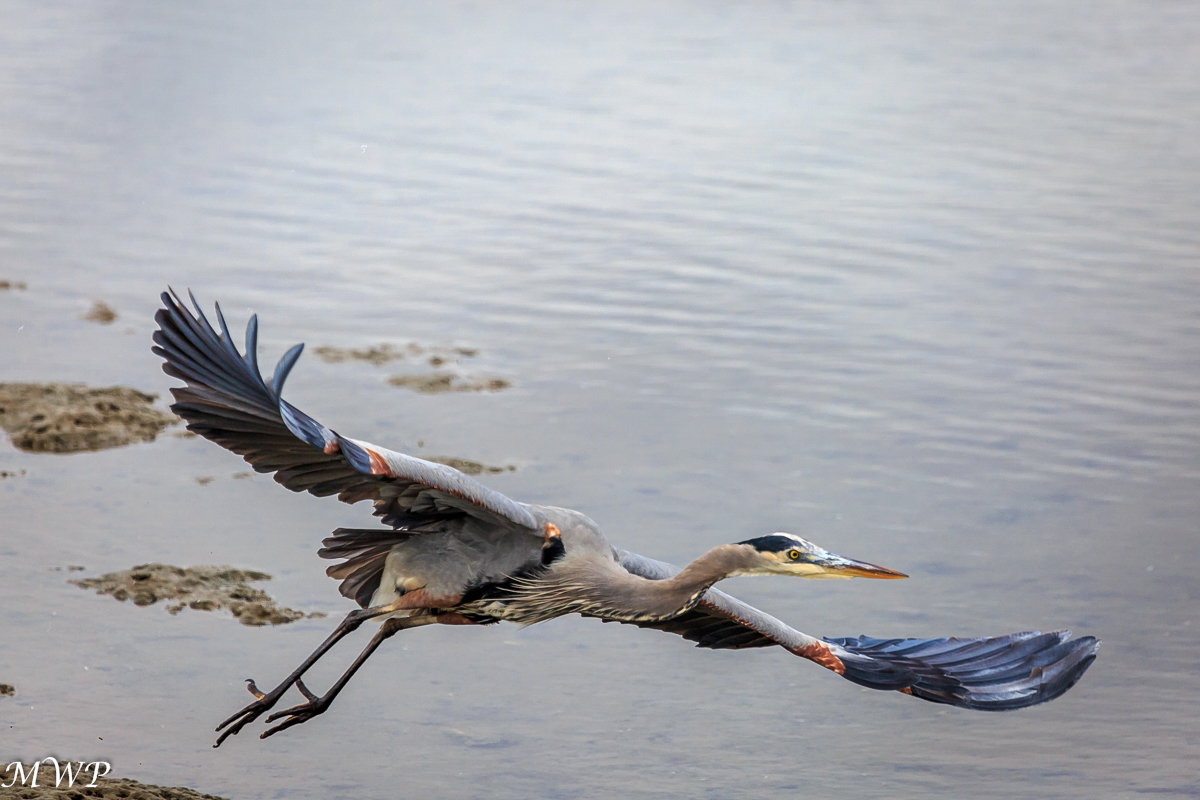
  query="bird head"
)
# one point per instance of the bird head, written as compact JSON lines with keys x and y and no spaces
{"x":787,"y":554}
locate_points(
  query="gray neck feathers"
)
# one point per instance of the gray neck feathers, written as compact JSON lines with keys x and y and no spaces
{"x":602,"y":588}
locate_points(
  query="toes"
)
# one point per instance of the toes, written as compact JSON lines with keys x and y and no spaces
{"x":231,"y":732}
{"x":290,"y":712}
{"x":232,"y":719}
{"x":294,"y":717}
{"x":282,"y":726}
{"x":244,"y":715}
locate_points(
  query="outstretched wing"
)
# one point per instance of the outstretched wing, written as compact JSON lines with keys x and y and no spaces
{"x":990,"y":674}
{"x":227,"y":401}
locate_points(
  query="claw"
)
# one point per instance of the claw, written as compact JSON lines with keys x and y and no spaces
{"x":251,"y":712}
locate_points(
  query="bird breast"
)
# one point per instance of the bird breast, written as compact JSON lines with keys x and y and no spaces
{"x":449,"y":564}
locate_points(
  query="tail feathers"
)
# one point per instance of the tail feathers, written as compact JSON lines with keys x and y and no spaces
{"x":365,"y":551}
{"x":345,"y":542}
{"x":988,"y":674}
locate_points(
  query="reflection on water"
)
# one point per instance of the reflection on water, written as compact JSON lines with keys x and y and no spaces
{"x":918,"y":283}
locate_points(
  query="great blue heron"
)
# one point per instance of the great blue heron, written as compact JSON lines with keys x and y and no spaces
{"x":457,"y":553}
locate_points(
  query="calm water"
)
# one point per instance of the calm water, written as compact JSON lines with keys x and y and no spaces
{"x":919,"y":283}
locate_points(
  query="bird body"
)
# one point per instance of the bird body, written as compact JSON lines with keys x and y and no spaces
{"x":453,"y":551}
{"x":468,"y":559}
{"x":490,"y":573}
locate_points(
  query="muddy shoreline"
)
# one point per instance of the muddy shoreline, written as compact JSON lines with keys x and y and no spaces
{"x":200,"y":588}
{"x":52,"y":785}
{"x":73,"y":417}
{"x":437,"y":382}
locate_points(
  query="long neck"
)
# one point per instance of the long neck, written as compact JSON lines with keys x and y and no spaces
{"x":602,"y":588}
{"x":693,"y":580}
{"x":621,"y":595}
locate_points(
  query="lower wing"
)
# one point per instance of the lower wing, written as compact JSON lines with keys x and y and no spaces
{"x":999,"y":673}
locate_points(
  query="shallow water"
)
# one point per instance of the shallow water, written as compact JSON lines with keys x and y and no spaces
{"x":918,"y":283}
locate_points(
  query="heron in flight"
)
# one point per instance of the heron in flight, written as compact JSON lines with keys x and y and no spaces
{"x":453,"y":552}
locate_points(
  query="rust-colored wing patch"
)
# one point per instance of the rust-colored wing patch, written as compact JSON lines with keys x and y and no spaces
{"x":378,"y":465}
{"x":819,"y":652}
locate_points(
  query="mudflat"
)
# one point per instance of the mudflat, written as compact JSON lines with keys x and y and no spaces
{"x":105,"y":788}
{"x":72,"y":417}
{"x":202,"y":588}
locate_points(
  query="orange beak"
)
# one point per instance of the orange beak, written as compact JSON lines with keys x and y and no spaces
{"x":836,"y":566}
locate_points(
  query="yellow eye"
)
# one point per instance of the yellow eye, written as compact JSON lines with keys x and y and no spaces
{"x":794,"y":555}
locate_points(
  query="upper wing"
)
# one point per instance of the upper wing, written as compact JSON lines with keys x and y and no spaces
{"x":990,"y":674}
{"x":227,"y":401}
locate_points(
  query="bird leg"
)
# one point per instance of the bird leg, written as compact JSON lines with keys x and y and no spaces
{"x":317,"y":705}
{"x":265,"y":702}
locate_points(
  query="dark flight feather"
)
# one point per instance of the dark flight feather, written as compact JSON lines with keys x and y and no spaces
{"x":227,"y":401}
{"x":1000,"y":673}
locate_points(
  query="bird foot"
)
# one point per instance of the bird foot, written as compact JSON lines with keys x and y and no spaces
{"x":300,"y":713}
{"x":262,"y":704}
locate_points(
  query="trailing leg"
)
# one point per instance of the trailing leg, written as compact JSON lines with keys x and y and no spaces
{"x":265,"y":702}
{"x":317,"y":705}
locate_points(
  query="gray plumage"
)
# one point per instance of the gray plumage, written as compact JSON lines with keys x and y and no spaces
{"x":456,"y":552}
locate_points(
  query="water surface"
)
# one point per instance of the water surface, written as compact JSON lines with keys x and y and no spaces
{"x":920,"y":284}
